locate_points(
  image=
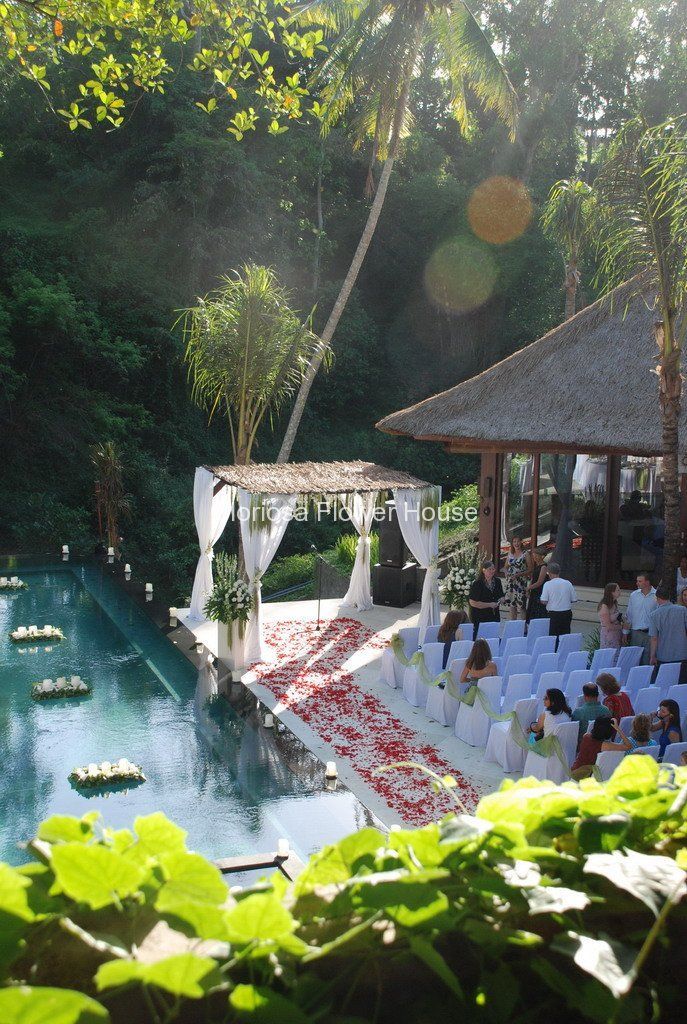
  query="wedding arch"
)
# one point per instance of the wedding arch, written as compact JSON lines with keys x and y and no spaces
{"x":265,"y":497}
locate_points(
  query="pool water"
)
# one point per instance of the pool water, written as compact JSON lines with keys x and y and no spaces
{"x":220,"y":776}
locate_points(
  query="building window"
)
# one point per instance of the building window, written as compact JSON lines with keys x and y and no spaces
{"x":639,"y":546}
{"x":516,"y":503}
{"x":571,"y":514}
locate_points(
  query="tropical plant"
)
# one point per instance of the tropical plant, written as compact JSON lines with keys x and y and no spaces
{"x":640,"y":231}
{"x":375,"y":59}
{"x":566,"y":220}
{"x":111,"y":503}
{"x":342,"y":555}
{"x":553,"y":901}
{"x":247,"y":351}
{"x":117,"y":50}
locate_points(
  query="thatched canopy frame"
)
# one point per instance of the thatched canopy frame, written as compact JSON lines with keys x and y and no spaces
{"x":311,"y":481}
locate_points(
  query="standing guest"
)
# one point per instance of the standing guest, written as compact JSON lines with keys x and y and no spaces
{"x":555,"y":711}
{"x":668,"y":633}
{"x":682,"y":575}
{"x":559,"y":596}
{"x":592,"y":742}
{"x":535,"y":609}
{"x":639,"y":737}
{"x":667,"y":720}
{"x":616,"y":700}
{"x":478,"y":663}
{"x":636,"y":626}
{"x":591,"y":708}
{"x":517,"y":568}
{"x":451,"y":629}
{"x":610,"y":617}
{"x":682,"y":599}
{"x":485,"y":595}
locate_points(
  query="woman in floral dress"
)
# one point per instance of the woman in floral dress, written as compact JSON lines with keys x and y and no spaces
{"x":517,"y":568}
{"x":610,"y":617}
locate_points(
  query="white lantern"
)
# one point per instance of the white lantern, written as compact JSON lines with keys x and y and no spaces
{"x":269,"y":721}
{"x":283,"y":848}
{"x":172,"y":617}
{"x":330,"y":771}
{"x":65,"y":552}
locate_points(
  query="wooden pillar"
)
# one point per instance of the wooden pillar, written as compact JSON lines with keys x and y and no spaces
{"x":490,"y":504}
{"x":609,"y":564}
{"x":683,"y":510}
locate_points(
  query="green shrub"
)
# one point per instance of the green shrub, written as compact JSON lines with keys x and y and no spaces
{"x":561,"y":904}
{"x":452,"y":512}
{"x":289,"y":572}
{"x":342,"y":555}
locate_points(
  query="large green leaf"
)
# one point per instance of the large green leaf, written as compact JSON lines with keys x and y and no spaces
{"x":158,"y":835}
{"x":261,"y":917}
{"x":13,"y":894}
{"x":94,"y":875}
{"x":263,"y":1006}
{"x":652,"y":879}
{"x":185,"y":975}
{"x":409,"y":903}
{"x":602,"y":834}
{"x":201,"y":920}
{"x":63,"y":828}
{"x":335,"y":864}
{"x":605,"y":959}
{"x":49,"y":1006}
{"x":634,"y":776}
{"x":190,"y":878}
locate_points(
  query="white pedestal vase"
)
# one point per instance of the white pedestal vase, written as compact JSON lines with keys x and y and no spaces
{"x":231,"y":647}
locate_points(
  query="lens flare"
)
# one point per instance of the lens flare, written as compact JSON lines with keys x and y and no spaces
{"x":460,"y":275}
{"x":499,"y":210}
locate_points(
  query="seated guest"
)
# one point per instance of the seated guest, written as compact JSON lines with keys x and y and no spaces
{"x":485,"y":595}
{"x":450,"y":630}
{"x":667,"y":720}
{"x":478,"y":663}
{"x":591,"y":708}
{"x":592,"y":742}
{"x":555,"y":711}
{"x":619,"y":704}
{"x":639,"y":737}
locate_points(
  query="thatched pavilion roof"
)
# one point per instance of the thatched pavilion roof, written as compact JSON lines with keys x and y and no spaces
{"x":586,"y":386}
{"x":315,"y":477}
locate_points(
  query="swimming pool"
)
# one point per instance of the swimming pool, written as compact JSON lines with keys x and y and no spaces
{"x":221,"y":776}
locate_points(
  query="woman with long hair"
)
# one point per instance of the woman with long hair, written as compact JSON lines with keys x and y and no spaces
{"x":616,"y":700}
{"x":555,"y":711}
{"x":517,"y":568}
{"x":610,"y":617}
{"x":450,"y":630}
{"x":639,"y":737}
{"x":667,"y":720}
{"x":592,"y":742}
{"x":478,"y":663}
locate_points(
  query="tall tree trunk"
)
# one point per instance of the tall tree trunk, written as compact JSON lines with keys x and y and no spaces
{"x":670,"y":389}
{"x":357,"y":261}
{"x":320,"y":226}
{"x":572,"y":280}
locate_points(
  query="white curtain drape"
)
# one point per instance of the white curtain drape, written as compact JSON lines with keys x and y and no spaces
{"x":422,"y":537}
{"x":211,"y":512}
{"x":361,"y":509}
{"x":263,"y":519}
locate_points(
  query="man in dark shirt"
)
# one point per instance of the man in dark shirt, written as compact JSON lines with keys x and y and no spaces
{"x":485,"y":594}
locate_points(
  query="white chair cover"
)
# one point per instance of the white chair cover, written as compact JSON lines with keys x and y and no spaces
{"x":211,"y":512}
{"x":513,"y":627}
{"x":414,"y":690}
{"x":674,"y":752}
{"x":423,"y":540}
{"x":550,"y":767}
{"x":501,"y":747}
{"x":361,"y":509}
{"x":679,"y":695}
{"x":646,"y":700}
{"x":519,"y":688}
{"x":537,"y":628}
{"x":473,"y":723}
{"x":638,"y":678}
{"x":646,"y":752}
{"x":607,"y":762}
{"x":391,"y":670}
{"x":261,"y":536}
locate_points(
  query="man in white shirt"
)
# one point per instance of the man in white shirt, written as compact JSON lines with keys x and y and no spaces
{"x":558,"y":595}
{"x":639,"y":608}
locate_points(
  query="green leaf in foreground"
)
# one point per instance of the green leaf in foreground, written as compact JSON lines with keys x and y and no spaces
{"x":26,"y":1005}
{"x":190,"y":878}
{"x":185,"y":975}
{"x":650,"y":879}
{"x":261,"y":917}
{"x":63,"y":828}
{"x":94,"y":875}
{"x":262,"y":1006}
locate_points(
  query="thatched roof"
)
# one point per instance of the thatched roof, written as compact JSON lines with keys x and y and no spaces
{"x":586,"y":386}
{"x":315,"y":477}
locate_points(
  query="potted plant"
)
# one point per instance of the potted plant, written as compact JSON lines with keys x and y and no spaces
{"x":455,"y":586}
{"x":229,"y":604}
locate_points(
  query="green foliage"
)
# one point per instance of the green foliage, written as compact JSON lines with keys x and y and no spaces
{"x":289,"y":572}
{"x":553,"y":897}
{"x":230,"y":599}
{"x":342,"y":555}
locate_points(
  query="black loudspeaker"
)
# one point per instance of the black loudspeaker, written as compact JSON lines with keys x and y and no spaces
{"x":392,"y":549}
{"x":394,"y":585}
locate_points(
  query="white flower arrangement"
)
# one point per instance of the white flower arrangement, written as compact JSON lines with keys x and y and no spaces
{"x":23,"y":633}
{"x":455,"y":587}
{"x":230,"y":600}
{"x":14,"y":583}
{"x":62,"y":687}
{"x":107,"y":772}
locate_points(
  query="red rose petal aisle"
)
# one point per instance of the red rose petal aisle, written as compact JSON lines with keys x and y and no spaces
{"x":310,"y":680}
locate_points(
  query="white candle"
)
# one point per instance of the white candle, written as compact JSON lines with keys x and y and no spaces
{"x":199,"y":646}
{"x":65,"y":549}
{"x":127,"y":567}
{"x":283,"y":848}
{"x":172,"y":616}
{"x":269,"y":721}
{"x":330,"y":771}
{"x":110,"y":551}
{"x":149,"y":588}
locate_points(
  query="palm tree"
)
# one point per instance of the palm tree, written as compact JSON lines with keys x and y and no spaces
{"x":641,"y":226}
{"x":375,"y":60}
{"x":247,"y":351}
{"x":565,"y":220}
{"x":111,"y":503}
